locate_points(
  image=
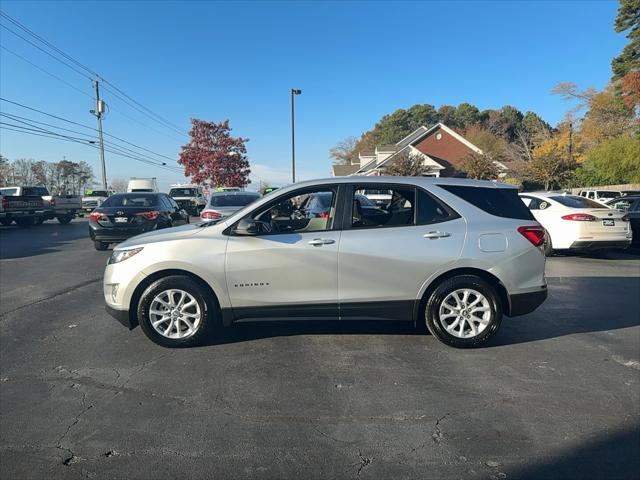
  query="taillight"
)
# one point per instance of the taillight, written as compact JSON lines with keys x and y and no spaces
{"x":210,"y":215}
{"x":580,"y":217}
{"x":95,"y":216}
{"x":152,"y":215}
{"x":5,"y":202}
{"x":52,"y":202}
{"x":533,"y":233}
{"x":625,"y":217}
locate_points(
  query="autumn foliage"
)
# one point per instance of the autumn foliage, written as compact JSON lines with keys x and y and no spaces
{"x":213,"y":156}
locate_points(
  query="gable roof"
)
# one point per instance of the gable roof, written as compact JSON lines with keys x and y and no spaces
{"x":344,"y":170}
{"x":421,"y":132}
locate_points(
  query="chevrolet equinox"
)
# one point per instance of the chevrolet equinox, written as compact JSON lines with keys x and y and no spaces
{"x":455,"y":254}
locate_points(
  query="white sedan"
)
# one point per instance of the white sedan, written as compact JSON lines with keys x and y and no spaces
{"x":573,"y":222}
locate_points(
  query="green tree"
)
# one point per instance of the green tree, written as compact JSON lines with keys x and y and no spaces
{"x":613,"y":162}
{"x":628,"y":19}
{"x":479,"y":166}
{"x":467,"y":115}
{"x":407,"y":165}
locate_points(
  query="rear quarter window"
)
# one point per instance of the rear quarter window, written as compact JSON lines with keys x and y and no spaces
{"x":500,"y":202}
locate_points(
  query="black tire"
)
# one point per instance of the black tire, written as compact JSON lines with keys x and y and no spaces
{"x":100,"y":245}
{"x":24,"y":222}
{"x":433,"y":303}
{"x":65,"y":220}
{"x":6,"y":221}
{"x":209,"y":321}
{"x":547,"y":248}
{"x":39,"y":221}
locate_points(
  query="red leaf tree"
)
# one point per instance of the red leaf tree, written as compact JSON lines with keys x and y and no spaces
{"x":213,"y":156}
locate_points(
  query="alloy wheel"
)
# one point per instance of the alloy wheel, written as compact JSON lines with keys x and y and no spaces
{"x":175,"y":313}
{"x":465,"y":313}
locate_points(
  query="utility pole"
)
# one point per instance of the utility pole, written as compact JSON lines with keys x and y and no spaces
{"x":100,"y":108}
{"x":294,"y":92}
{"x":570,"y":143}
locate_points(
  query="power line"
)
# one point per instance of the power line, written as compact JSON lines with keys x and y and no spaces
{"x":113,"y":88}
{"x":45,"y":71}
{"x":17,"y":118}
{"x":56,"y":136}
{"x":80,"y":125}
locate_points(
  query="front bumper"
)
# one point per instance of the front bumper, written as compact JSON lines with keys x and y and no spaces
{"x":122,"y":316}
{"x":523,"y":303}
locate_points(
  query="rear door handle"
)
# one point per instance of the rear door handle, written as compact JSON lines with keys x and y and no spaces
{"x":434,"y":235}
{"x":316,"y":242}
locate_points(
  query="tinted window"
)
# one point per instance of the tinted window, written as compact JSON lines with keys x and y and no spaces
{"x":183,"y":192}
{"x":290,"y":213}
{"x":96,"y":193}
{"x":222,"y":200}
{"x":399,"y":210}
{"x":431,"y":210}
{"x":131,"y":200}
{"x":621,"y":204}
{"x":608,"y":194}
{"x":573,"y":201}
{"x":501,"y":202}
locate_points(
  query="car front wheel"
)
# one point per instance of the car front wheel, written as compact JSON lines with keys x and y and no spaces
{"x":176,"y":311}
{"x":463,"y":311}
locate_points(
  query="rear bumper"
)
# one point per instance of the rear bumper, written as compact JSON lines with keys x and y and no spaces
{"x":21,"y":214}
{"x":97,"y":232}
{"x":594,"y":245}
{"x":121,"y":316}
{"x":523,"y":303}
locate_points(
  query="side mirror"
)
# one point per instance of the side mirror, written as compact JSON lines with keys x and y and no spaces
{"x":247,"y":226}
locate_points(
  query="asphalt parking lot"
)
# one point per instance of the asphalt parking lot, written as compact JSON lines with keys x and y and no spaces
{"x":556,"y":394}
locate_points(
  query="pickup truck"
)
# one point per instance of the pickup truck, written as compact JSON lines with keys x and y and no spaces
{"x":62,"y":207}
{"x":25,"y":210}
{"x":93,"y":199}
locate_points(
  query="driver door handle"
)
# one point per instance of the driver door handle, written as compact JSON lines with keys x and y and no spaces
{"x":433,"y":235}
{"x":316,"y":242}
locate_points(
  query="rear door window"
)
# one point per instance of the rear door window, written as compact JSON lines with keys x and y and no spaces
{"x":500,"y":202}
{"x":398,"y":211}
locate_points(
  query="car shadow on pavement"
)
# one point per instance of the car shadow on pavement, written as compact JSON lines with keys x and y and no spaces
{"x":242,"y":332}
{"x":576,"y":305}
{"x":18,"y":242}
{"x":612,"y":457}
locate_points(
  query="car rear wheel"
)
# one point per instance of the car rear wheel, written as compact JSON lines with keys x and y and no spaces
{"x":66,"y":219}
{"x":463,"y":311}
{"x":547,"y":246}
{"x":100,"y":245}
{"x":176,"y":311}
{"x":6,"y":221}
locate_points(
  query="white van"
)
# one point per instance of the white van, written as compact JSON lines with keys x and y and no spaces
{"x":600,"y":195}
{"x":142,"y":185}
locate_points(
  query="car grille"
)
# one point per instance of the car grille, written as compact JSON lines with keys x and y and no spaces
{"x":89,"y":203}
{"x":183,"y":203}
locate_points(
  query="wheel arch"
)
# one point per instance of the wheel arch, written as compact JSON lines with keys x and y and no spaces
{"x":485,"y":275}
{"x":148,"y":280}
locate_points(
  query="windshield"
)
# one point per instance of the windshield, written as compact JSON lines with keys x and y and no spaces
{"x":221,"y":200}
{"x":573,"y":201}
{"x":183,"y":192}
{"x":96,"y":193}
{"x":131,"y":200}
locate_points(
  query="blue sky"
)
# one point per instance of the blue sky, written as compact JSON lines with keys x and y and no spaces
{"x":354,"y":61}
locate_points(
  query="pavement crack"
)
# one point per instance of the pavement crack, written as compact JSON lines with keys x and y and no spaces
{"x":364,"y":462}
{"x":53,"y":295}
{"x":438,"y":436}
{"x":72,"y":457}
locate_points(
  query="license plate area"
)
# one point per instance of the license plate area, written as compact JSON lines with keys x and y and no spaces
{"x":608,"y":222}
{"x":121,"y":220}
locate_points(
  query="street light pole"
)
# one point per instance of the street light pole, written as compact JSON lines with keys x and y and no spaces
{"x":294,"y":92}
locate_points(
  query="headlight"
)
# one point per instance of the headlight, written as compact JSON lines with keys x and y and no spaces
{"x":120,"y":255}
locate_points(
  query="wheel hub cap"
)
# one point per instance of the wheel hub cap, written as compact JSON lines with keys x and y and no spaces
{"x":175,"y":313}
{"x":465,"y":313}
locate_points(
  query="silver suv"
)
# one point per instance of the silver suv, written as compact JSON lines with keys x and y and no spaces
{"x":456,"y":254}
